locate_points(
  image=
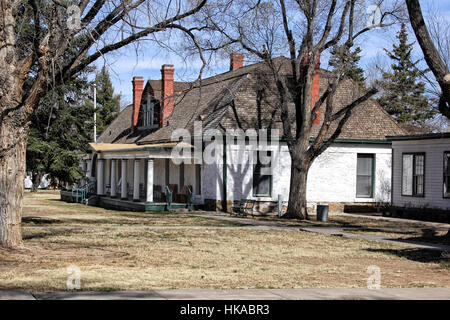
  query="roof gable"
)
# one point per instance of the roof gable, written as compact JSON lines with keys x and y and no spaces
{"x":246,"y":98}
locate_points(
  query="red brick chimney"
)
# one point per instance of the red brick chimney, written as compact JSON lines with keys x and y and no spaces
{"x":316,"y":89}
{"x":167,"y":99}
{"x":138,"y":88}
{"x":236,"y":61}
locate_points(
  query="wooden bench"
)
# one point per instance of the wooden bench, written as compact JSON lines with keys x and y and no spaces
{"x":243,"y":208}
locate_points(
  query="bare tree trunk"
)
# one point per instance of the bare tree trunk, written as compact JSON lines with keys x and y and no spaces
{"x":12,"y":175}
{"x":13,"y":132}
{"x":36,"y":179}
{"x":297,"y":206}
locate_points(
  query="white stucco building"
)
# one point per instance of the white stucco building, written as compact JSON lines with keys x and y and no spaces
{"x":133,"y":162}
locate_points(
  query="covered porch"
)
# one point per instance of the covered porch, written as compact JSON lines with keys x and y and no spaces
{"x":143,"y":177}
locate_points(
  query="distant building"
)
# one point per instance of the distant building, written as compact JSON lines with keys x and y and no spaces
{"x":43,"y":185}
{"x":421,"y":175}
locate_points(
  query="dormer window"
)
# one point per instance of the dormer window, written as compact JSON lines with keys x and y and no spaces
{"x":148,"y":113}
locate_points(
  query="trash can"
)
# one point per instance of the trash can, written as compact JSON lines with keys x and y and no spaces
{"x":322,"y":213}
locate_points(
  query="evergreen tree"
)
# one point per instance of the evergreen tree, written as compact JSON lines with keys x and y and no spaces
{"x":108,"y":104}
{"x":403,"y":94}
{"x":60,"y":130}
{"x":348,"y":60}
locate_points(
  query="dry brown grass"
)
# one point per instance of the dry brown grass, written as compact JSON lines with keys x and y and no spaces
{"x":124,"y":259}
{"x":45,"y":208}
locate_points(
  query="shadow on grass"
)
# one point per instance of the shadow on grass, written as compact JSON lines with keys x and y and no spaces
{"x":47,"y":234}
{"x":418,"y":255}
{"x":383,"y":230}
{"x":39,"y":220}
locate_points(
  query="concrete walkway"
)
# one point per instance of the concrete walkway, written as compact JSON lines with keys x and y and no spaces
{"x":241,"y":294}
{"x":337,"y":231}
{"x":369,"y":237}
{"x":436,"y":225}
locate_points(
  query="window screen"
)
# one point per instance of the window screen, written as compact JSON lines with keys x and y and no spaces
{"x":364,"y":175}
{"x":262,"y":182}
{"x":413,"y":174}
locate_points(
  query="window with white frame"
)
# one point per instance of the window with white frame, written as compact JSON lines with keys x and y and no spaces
{"x":365,"y":168}
{"x":447,"y":174}
{"x":413,"y":174}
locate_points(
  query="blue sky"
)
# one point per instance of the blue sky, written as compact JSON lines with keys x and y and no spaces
{"x":125,"y":63}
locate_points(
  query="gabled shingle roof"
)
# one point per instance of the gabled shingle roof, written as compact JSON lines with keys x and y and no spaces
{"x":235,"y":99}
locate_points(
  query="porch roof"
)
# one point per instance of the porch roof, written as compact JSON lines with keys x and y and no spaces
{"x":124,"y":147}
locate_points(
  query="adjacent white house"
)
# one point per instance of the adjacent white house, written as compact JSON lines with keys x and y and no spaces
{"x":134,"y":163}
{"x":421,"y":173}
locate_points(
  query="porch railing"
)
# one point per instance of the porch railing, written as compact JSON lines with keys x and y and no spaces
{"x":80,"y":194}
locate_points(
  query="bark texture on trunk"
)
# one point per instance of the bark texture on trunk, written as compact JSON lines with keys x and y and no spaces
{"x":13,"y":128}
{"x":297,"y":206}
{"x":36,"y":179}
{"x":12,"y":175}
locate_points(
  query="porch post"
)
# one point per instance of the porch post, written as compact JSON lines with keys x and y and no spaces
{"x":113,"y":178}
{"x":136,"y":180}
{"x":149,"y":197}
{"x":89,"y":168}
{"x":123,"y":193}
{"x":100,"y":181}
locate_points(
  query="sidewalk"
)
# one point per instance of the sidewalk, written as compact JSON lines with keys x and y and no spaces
{"x":437,"y":225}
{"x":339,"y":231}
{"x":241,"y":294}
{"x":409,"y":243}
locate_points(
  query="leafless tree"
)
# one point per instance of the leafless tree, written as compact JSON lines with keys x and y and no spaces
{"x":45,"y":43}
{"x":435,"y":52}
{"x":301,"y":30}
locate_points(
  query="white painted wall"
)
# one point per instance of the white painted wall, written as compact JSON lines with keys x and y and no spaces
{"x":212,"y":181}
{"x":107,"y":174}
{"x":142,"y":172}
{"x":174,"y":174}
{"x":332,"y":177}
{"x":130,"y":176}
{"x":434,"y":154}
{"x":189,"y":175}
{"x":159,"y":177}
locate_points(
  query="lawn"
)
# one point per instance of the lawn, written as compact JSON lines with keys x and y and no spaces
{"x":137,"y":251}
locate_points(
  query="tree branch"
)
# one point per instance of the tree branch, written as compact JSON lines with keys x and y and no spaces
{"x":432,"y":57}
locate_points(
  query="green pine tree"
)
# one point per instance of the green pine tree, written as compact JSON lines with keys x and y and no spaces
{"x":108,"y":103}
{"x":403,"y":94}
{"x":59,"y":133}
{"x":348,"y":62}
